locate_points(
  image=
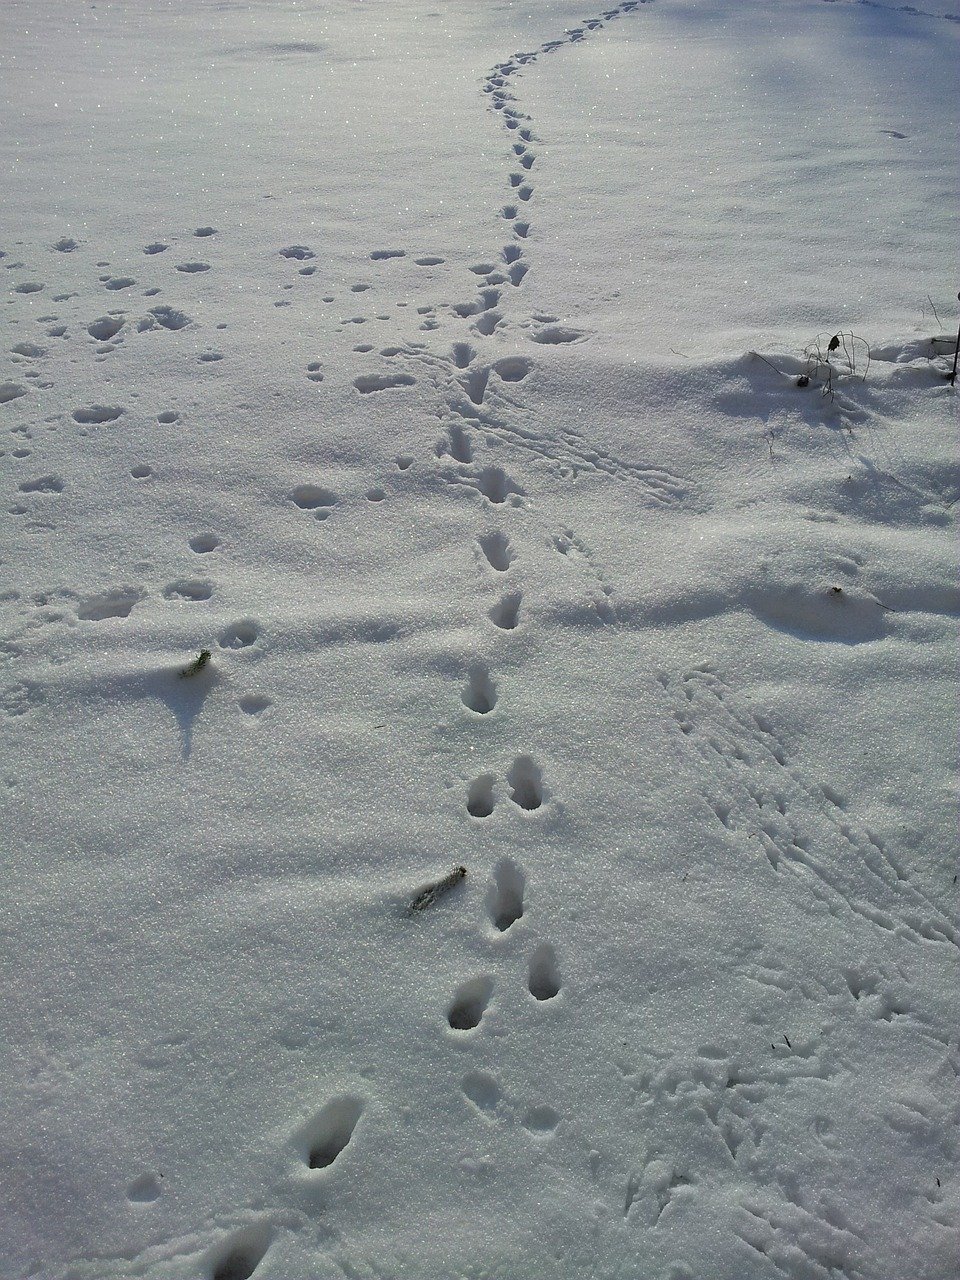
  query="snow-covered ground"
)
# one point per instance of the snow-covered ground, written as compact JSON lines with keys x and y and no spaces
{"x":435,"y":366}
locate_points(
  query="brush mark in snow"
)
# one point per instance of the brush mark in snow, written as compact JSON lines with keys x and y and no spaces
{"x":43,"y":484}
{"x":193,"y":589}
{"x":368,"y":382}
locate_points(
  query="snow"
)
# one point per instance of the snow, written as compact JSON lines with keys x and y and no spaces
{"x":447,"y":397}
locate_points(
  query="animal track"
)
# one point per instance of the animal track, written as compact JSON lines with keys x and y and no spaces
{"x":526,"y":783}
{"x":310,"y":497}
{"x":505,"y":895}
{"x":459,"y":446}
{"x":118,"y":603}
{"x":106,"y":327}
{"x":239,"y":635}
{"x":240,"y":1255}
{"x":475,"y":384}
{"x":480,"y":800}
{"x":253,"y":704}
{"x":482,"y":1089}
{"x":505,"y":614}
{"x":43,"y":484}
{"x":544,"y":977}
{"x":166,"y":317}
{"x":512,"y":369}
{"x":479,"y":693}
{"x":324,"y":1139}
{"x":494,"y":484}
{"x":757,"y":794}
{"x":496,"y":547}
{"x":556,"y":335}
{"x":97,"y":413}
{"x":470,"y":1003}
{"x":541,"y":1121}
{"x":144,"y":1190}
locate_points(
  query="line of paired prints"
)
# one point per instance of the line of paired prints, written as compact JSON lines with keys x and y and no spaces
{"x":238,"y":1258}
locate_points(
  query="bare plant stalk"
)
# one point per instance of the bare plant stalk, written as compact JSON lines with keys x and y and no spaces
{"x":428,"y":896}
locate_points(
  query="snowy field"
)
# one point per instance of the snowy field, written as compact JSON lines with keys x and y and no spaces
{"x":457,"y":376}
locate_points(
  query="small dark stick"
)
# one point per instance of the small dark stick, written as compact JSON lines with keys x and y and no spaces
{"x":196,"y":665}
{"x":428,"y":896}
{"x":956,"y":355}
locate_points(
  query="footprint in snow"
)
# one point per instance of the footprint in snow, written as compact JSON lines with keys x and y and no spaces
{"x":505,"y":895}
{"x":323,"y":1139}
{"x":480,"y":796}
{"x":483,"y":1090}
{"x":543,"y":979}
{"x":239,"y":1256}
{"x":479,"y":694}
{"x":469,"y":1003}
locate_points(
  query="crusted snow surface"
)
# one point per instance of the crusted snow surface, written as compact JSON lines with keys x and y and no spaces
{"x":478,"y":659}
